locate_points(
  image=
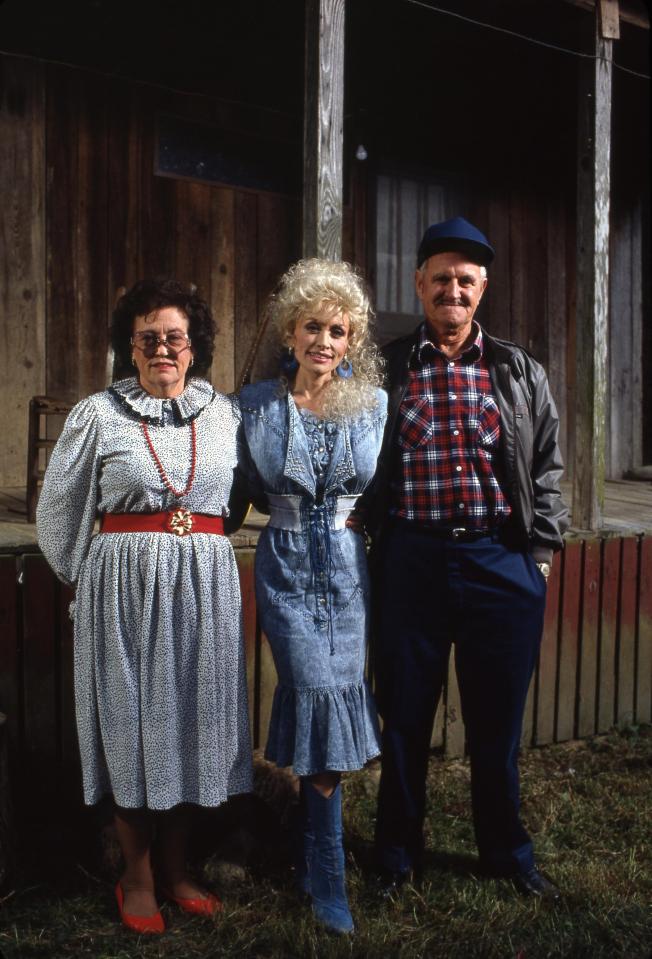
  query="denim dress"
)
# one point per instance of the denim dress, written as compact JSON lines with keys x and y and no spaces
{"x":312,"y":587}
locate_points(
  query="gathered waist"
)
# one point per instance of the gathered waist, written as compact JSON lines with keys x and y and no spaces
{"x":179,"y":522}
{"x":289,"y":512}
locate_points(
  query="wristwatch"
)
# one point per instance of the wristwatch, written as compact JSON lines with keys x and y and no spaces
{"x":544,"y":568}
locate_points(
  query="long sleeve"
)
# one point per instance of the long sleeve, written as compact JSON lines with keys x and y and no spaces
{"x":68,"y":502}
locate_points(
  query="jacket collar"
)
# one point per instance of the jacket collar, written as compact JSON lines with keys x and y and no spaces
{"x":139,"y":403}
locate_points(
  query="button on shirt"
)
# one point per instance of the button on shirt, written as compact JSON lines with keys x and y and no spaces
{"x":445,"y":473}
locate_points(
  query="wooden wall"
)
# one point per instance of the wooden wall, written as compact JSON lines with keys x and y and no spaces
{"x":87,"y":216}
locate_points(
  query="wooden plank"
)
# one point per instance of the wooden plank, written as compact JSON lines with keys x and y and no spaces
{"x":10,"y":697}
{"x":77,"y":233}
{"x":261,"y":673}
{"x":593,"y":192}
{"x":519,"y":263}
{"x":323,"y":129}
{"x":193,"y":249}
{"x":644,"y":637}
{"x":439,"y":726}
{"x":126,"y":203}
{"x":69,"y":749}
{"x":569,"y":634}
{"x":629,"y":13}
{"x":454,"y":729}
{"x":277,"y":245}
{"x":626,"y":649}
{"x":245,"y":295}
{"x":90,"y":200}
{"x":497,"y":301}
{"x":528,"y":235}
{"x":556,"y":319}
{"x":609,"y":19}
{"x":61,"y":152}
{"x":39,"y":645}
{"x":624,"y":355}
{"x":222,"y":293}
{"x":22,"y":254}
{"x":268,"y":681}
{"x":608,"y":632}
{"x":160,"y":236}
{"x":245,"y":561}
{"x":546,"y":673}
{"x":588,"y":662}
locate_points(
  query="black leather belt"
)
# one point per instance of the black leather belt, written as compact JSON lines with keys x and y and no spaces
{"x":458,"y":534}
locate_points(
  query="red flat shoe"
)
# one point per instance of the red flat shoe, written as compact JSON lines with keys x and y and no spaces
{"x":142,"y":924}
{"x":206,"y":905}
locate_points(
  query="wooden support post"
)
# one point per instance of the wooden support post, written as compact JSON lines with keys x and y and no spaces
{"x":593,"y":196}
{"x":323,"y":129}
{"x":6,"y":819}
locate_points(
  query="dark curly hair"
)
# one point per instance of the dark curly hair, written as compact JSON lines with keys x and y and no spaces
{"x":143,"y":298}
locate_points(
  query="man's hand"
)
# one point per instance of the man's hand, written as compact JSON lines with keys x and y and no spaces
{"x":356,"y":521}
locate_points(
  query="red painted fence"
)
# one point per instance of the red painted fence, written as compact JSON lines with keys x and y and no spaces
{"x":594,"y":671}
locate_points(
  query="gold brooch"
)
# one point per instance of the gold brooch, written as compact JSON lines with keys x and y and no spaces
{"x":180,"y":522}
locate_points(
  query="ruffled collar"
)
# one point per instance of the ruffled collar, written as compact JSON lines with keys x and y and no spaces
{"x":137,"y":401}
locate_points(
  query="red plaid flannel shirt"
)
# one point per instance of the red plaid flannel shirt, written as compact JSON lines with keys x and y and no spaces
{"x":448,"y":436}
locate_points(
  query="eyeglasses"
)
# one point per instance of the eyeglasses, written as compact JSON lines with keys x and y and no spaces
{"x":149,"y":342}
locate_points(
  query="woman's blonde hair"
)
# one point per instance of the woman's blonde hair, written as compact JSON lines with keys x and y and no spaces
{"x":312,"y":285}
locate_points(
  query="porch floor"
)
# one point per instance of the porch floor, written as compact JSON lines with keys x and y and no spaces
{"x":627,"y":511}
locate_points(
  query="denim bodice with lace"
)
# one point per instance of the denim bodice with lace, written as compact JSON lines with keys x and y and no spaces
{"x":320,"y":435}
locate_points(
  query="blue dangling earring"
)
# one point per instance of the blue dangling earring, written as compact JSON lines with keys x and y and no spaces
{"x":345,"y":369}
{"x":289,"y":362}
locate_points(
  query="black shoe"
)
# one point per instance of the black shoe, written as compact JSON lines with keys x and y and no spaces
{"x":532,"y":883}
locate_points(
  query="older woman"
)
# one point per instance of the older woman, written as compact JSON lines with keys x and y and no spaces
{"x":311,"y":443}
{"x":160,"y":683}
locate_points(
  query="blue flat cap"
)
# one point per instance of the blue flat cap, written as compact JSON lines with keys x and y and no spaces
{"x":453,"y":236}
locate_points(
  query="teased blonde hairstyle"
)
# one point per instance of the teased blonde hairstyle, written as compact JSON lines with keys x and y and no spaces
{"x":312,"y":285}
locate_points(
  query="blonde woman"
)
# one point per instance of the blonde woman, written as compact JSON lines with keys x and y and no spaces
{"x":311,"y":440}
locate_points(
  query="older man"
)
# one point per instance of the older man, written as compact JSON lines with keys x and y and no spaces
{"x":465,"y":518}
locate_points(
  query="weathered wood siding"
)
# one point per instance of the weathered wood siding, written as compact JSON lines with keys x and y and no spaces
{"x":85,"y":216}
{"x":22,"y":255}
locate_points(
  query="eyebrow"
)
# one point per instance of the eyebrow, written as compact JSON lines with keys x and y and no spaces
{"x":463,"y":276}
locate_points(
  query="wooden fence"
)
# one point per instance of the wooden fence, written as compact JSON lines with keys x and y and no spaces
{"x":594,"y":671}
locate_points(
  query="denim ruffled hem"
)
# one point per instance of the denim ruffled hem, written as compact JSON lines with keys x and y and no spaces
{"x":325,"y":728}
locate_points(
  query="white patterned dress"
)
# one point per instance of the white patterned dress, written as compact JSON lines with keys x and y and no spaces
{"x":160,"y":681}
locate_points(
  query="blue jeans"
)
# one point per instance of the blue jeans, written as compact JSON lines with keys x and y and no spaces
{"x":489,"y":601}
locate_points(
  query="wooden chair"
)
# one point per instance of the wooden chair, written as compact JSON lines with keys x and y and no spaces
{"x":40,"y":407}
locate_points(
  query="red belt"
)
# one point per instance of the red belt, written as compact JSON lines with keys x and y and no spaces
{"x":177,"y":521}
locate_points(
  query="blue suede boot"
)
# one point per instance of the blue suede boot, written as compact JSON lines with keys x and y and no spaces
{"x":304,"y":842}
{"x":329,"y":902}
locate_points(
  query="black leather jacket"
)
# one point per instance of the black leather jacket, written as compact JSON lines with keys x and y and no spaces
{"x":531,"y":460}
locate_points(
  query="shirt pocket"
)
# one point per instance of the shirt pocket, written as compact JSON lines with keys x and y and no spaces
{"x":487,"y":431}
{"x":417,"y":424}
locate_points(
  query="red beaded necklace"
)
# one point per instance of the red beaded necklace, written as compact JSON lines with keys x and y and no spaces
{"x":159,"y":465}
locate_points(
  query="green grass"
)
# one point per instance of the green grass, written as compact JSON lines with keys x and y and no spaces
{"x":587,"y":805}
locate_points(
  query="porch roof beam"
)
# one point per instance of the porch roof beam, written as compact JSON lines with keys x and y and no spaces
{"x":629,"y":12}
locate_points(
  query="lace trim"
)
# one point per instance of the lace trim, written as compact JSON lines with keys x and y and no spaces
{"x":137,"y":401}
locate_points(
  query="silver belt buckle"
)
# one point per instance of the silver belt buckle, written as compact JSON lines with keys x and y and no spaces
{"x":458,"y":531}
